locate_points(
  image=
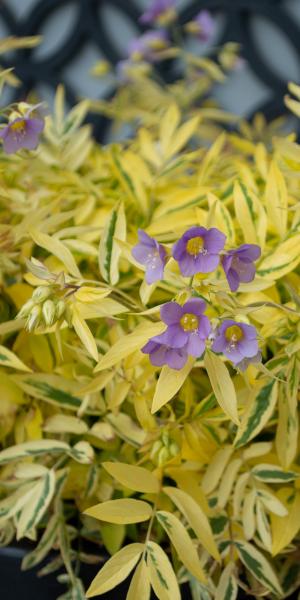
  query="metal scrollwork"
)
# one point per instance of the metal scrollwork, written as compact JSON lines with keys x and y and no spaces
{"x":89,"y":27}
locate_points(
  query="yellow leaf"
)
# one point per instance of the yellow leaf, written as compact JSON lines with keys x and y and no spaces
{"x":276,"y":199}
{"x":227,"y":481}
{"x":65,"y":424}
{"x":58,"y":249}
{"x":9,"y":359}
{"x":282,"y":260}
{"x":133,"y":477}
{"x":284,"y":529}
{"x":129,"y":343}
{"x":215,"y":469}
{"x":169,"y":124}
{"x":162,"y":576}
{"x":227,"y":587}
{"x":195,"y":517}
{"x":123,"y":511}
{"x":169,"y":383}
{"x":115,"y":570}
{"x":84,"y":333}
{"x":140,"y":588}
{"x":109,"y":250}
{"x":182,"y":543}
{"x":222,"y":385}
{"x":250,"y":214}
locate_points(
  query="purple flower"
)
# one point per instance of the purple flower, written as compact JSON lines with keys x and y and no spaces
{"x":237,"y":341}
{"x":203,"y":26}
{"x":198,"y":249}
{"x":161,"y":354}
{"x":238,"y":265}
{"x":148,"y":45}
{"x":150,"y":253}
{"x":188,"y":327}
{"x":161,"y":11}
{"x":21,"y":132}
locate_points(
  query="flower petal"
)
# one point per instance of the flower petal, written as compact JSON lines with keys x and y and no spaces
{"x":171,"y":313}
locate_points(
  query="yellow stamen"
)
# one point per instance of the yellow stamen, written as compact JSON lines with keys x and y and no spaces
{"x":189,"y":322}
{"x":234,"y":333}
{"x":18,"y":125}
{"x":195,"y":246}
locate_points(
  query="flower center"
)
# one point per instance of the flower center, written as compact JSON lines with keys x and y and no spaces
{"x":189,"y":322}
{"x":234,"y":334}
{"x":195,"y":246}
{"x":18,"y":126}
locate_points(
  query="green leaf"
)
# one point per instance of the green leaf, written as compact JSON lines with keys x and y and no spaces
{"x":44,"y":546}
{"x":51,"y":388}
{"x":258,"y":566}
{"x":227,"y":587}
{"x":273,"y":474}
{"x":109,"y":251}
{"x":35,"y":448}
{"x":9,"y":359}
{"x":182,"y":543}
{"x":162,"y":576}
{"x":34,"y":510}
{"x":257,"y":414}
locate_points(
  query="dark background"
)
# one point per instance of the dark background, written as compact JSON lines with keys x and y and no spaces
{"x":77,"y":33}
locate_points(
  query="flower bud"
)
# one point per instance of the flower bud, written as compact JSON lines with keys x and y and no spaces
{"x":157,"y":446}
{"x":25,"y":310}
{"x":163,"y":456}
{"x":41,"y":293}
{"x":173,"y":449}
{"x":34,"y":318}
{"x":60,"y":308}
{"x":49,"y":310}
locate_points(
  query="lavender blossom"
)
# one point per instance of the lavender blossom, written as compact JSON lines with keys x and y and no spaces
{"x":237,"y":341}
{"x":159,"y":11}
{"x":238,"y":265}
{"x":152,"y":255}
{"x":198,"y":250}
{"x":203,"y":26}
{"x":22,"y":132}
{"x":162,"y":354}
{"x":188,"y":327}
{"x":147,"y":46}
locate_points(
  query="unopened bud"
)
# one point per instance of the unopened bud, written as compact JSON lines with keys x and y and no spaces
{"x":163,"y":457}
{"x":41,"y":293}
{"x":173,"y":449}
{"x":34,"y":318}
{"x":25,"y":310}
{"x":49,"y":310}
{"x":157,"y":446}
{"x":60,"y":308}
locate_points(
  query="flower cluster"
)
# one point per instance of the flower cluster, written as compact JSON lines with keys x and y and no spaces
{"x":199,"y":251}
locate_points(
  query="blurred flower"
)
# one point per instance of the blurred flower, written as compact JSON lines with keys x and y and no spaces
{"x":152,"y":255}
{"x":22,"y":131}
{"x":237,"y":341}
{"x":127,"y":70}
{"x":148,"y":46}
{"x":160,"y":11}
{"x":162,"y":354}
{"x":238,"y":265}
{"x":203,"y":26}
{"x":242,"y":366}
{"x":198,"y":249}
